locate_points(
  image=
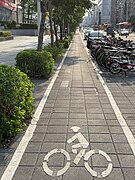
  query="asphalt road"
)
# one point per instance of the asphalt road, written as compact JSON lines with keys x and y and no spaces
{"x":9,"y":49}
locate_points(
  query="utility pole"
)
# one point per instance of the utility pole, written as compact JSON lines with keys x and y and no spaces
{"x":38,"y":14}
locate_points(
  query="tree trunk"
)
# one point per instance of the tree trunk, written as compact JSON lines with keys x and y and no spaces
{"x":61,"y":32}
{"x":42,"y":26}
{"x":55,"y":31}
{"x":28,"y":17}
{"x":50,"y":21}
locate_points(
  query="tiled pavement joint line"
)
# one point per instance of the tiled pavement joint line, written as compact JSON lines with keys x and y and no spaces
{"x":120,"y":118}
{"x":12,"y":166}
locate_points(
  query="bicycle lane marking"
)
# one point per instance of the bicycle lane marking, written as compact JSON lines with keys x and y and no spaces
{"x":13,"y":164}
{"x":120,"y":118}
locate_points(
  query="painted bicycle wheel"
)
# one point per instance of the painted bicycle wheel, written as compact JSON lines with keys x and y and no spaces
{"x":94,"y":173}
{"x":61,"y":171}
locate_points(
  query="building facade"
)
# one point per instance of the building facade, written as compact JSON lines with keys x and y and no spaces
{"x":113,"y":11}
{"x":10,"y":10}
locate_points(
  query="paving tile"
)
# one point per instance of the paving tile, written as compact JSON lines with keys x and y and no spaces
{"x":56,"y":129}
{"x":61,"y":122}
{"x":77,"y":115}
{"x":97,"y":122}
{"x":115,"y":129}
{"x":100,"y":161}
{"x":59,"y":115}
{"x":2,"y":169}
{"x":123,"y":148}
{"x":39,"y":174}
{"x":37,"y":137}
{"x":96,"y":116}
{"x":129,"y":173}
{"x":41,"y":129}
{"x":33,"y":147}
{"x":127,"y":160}
{"x":77,"y":173}
{"x":107,"y":147}
{"x":29,"y":159}
{"x":5,"y":158}
{"x":77,"y":122}
{"x":110,"y":116}
{"x":55,"y":138}
{"x":23,"y":173}
{"x":119,"y":138}
{"x":100,"y":138}
{"x":98,"y":129}
{"x":116,"y":174}
{"x":47,"y":146}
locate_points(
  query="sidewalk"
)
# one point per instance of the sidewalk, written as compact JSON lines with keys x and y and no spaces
{"x":77,"y":98}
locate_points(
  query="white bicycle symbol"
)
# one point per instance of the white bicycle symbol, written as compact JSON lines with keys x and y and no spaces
{"x":84,"y":144}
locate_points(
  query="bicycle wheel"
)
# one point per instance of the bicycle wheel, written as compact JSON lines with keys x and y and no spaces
{"x":115,"y":67}
{"x":95,"y":173}
{"x":61,"y":171}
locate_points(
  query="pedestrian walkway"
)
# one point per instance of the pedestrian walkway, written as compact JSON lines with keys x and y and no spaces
{"x":76,"y":118}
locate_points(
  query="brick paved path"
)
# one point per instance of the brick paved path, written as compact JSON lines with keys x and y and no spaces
{"x":78,"y":98}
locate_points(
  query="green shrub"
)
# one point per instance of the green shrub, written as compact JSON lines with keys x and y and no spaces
{"x":8,"y":24}
{"x":15,"y":101}
{"x":56,"y":51}
{"x":35,"y":63}
{"x":65,"y":43}
{"x":71,"y":34}
{"x":28,"y":26}
{"x":5,"y":33}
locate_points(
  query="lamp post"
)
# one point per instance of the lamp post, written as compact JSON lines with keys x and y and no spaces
{"x":121,"y":12}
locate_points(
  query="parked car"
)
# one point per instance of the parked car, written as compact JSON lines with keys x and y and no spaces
{"x":86,"y":33}
{"x":123,"y":32}
{"x":94,"y":35}
{"x":133,"y":28}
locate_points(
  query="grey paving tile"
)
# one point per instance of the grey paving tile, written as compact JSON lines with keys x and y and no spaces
{"x":123,"y":148}
{"x":47,"y":146}
{"x":97,"y":122}
{"x":127,"y":160}
{"x":84,"y":129}
{"x":115,"y":129}
{"x":77,"y":109}
{"x":116,"y":174}
{"x":59,"y":109}
{"x":77,"y":173}
{"x":39,"y":174}
{"x":33,"y":147}
{"x":56,"y":129}
{"x":37,"y":137}
{"x":77,"y":115}
{"x":41,"y":129}
{"x":98,"y":129}
{"x":94,"y":110}
{"x":59,"y":115}
{"x":2,"y":169}
{"x":107,"y":147}
{"x":23,"y":173}
{"x":100,"y":138}
{"x":55,"y":160}
{"x":77,"y":122}
{"x":100,"y":161}
{"x":55,"y":138}
{"x":96,"y":116}
{"x":112,"y":122}
{"x":129,"y":173}
{"x":110,"y":116}
{"x":119,"y":138}
{"x":29,"y":159}
{"x":5,"y":158}
{"x":62,"y":122}
{"x":43,"y":121}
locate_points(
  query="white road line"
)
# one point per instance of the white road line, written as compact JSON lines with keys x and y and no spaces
{"x":12,"y":166}
{"x":120,"y":118}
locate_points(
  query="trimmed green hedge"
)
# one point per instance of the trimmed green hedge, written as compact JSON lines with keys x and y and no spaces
{"x":56,"y":50}
{"x":35,"y":63}
{"x":15,"y":101}
{"x":5,"y":33}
